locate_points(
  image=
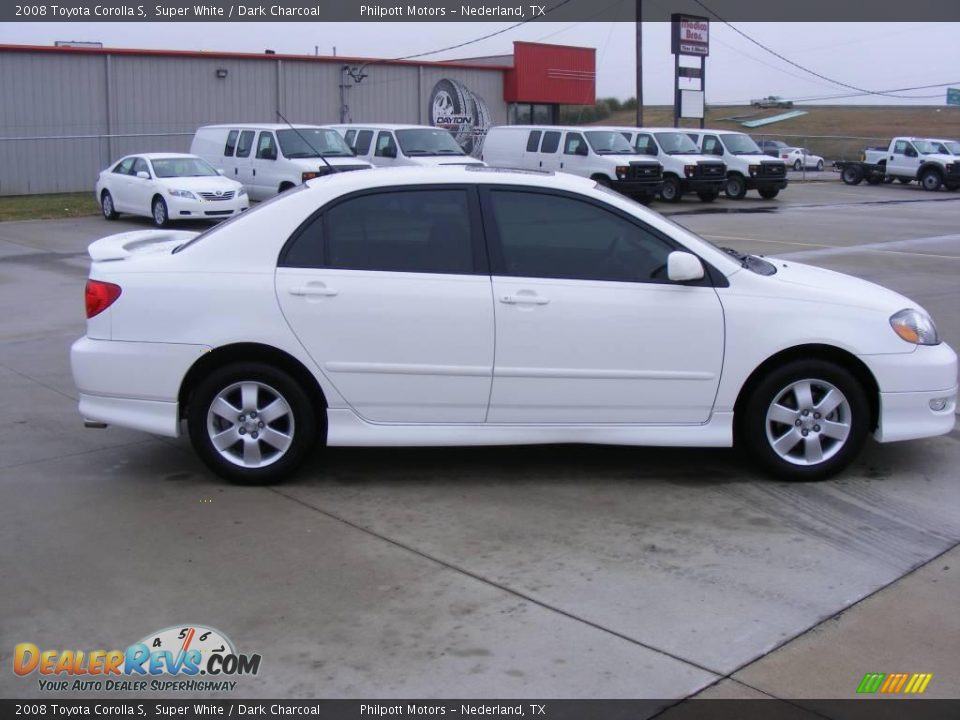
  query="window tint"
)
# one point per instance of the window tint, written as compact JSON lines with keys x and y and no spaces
{"x":551,"y":141}
{"x":267,"y":146}
{"x":364,"y":138}
{"x":385,"y":142}
{"x":124,"y":167}
{"x":306,"y":249}
{"x":573,"y":144}
{"x":645,"y":145}
{"x":533,"y":140}
{"x":350,"y":136}
{"x":406,"y":231}
{"x":140,"y":165}
{"x":231,"y":143}
{"x":245,"y":143}
{"x":711,"y":145}
{"x":551,"y":236}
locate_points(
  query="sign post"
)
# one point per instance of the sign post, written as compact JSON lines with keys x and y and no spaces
{"x":690,"y":36}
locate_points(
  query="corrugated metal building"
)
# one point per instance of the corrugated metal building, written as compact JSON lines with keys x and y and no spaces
{"x":69,"y":112}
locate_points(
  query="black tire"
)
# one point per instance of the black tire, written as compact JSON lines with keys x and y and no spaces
{"x":820,"y":166}
{"x":887,"y":179}
{"x":106,"y":206}
{"x":602,"y":180}
{"x":708,"y":195}
{"x":670,"y":190}
{"x":953,"y":187}
{"x":158,"y":208}
{"x":874,"y":179}
{"x":299,"y":423}
{"x":736,"y":187}
{"x":769,"y":193}
{"x":452,"y":107}
{"x":904,"y":181}
{"x":852,"y":175}
{"x":931,"y":180}
{"x":284,"y":186}
{"x":798,"y":165}
{"x":757,"y":433}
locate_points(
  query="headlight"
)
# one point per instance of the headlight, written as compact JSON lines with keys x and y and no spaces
{"x":622,"y":171}
{"x":754,"y":169}
{"x":914,"y":326}
{"x":241,"y":192}
{"x":689,"y":170}
{"x":183,"y":194}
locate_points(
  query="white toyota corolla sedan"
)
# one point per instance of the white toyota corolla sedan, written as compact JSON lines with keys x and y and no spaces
{"x":168,"y":186}
{"x":481,"y":306}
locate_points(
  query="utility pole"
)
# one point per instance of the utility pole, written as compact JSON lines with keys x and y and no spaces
{"x":639,"y":65}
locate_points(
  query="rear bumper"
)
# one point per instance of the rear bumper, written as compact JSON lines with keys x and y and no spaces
{"x":132,"y":384}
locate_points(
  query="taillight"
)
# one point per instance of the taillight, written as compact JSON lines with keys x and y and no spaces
{"x":99,"y":296}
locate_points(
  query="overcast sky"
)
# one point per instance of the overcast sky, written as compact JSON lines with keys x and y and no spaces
{"x":871,"y":56}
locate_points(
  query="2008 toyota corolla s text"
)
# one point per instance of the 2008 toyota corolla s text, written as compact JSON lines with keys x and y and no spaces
{"x":474,"y":306}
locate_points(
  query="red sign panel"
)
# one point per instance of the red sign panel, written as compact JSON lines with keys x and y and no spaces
{"x":551,"y":74}
{"x":691,"y":35}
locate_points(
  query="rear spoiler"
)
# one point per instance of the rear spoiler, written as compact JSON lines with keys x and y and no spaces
{"x":124,"y":245}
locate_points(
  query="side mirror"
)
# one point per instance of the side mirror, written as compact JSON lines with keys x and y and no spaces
{"x":683,"y":266}
{"x":144,"y":175}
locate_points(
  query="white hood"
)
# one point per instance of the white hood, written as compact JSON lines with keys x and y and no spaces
{"x":209,"y":183}
{"x":438,"y":160}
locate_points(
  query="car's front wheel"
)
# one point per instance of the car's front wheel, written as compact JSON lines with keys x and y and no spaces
{"x":106,"y":205}
{"x":736,"y":187}
{"x":819,"y":165}
{"x":806,"y":420}
{"x":161,"y":217}
{"x":251,"y":423}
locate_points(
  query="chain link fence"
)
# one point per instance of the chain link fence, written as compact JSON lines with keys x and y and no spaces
{"x":829,"y":148}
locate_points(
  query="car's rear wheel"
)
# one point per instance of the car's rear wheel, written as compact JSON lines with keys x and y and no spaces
{"x":806,"y":420}
{"x":106,"y":206}
{"x":161,"y":217}
{"x":819,"y":165}
{"x":852,"y":175}
{"x":251,"y":423}
{"x":736,"y":187}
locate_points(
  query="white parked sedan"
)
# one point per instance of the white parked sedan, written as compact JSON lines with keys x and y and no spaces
{"x":168,"y":186}
{"x":800,"y":158}
{"x":482,"y":306}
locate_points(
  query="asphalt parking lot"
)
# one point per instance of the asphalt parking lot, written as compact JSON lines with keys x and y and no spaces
{"x":570,"y":571}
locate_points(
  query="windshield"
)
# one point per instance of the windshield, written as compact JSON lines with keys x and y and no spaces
{"x":740,"y":144}
{"x":311,"y":143}
{"x":675,"y":143}
{"x":182,"y":167}
{"x":924,"y":147}
{"x":609,"y":142}
{"x":428,"y":141}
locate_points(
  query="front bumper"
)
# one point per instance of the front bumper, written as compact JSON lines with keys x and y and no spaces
{"x":764,"y":183}
{"x":908,"y":384}
{"x":179,"y":208}
{"x":702,"y":184}
{"x":134,"y":385}
{"x":641,"y":188}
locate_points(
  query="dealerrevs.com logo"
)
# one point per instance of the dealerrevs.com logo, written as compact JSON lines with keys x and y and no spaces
{"x":185,"y":658}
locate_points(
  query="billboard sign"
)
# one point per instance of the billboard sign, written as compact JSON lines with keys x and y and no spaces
{"x":691,"y":35}
{"x":953,"y":96}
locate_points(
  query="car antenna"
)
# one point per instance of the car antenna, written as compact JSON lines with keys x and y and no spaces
{"x":333,"y":168}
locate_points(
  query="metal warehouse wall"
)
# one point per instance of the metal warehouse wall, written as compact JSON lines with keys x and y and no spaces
{"x":66,"y":116}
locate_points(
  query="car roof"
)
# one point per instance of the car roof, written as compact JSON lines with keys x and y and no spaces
{"x":382,"y":126}
{"x":260,"y":126}
{"x":447,"y":174}
{"x":160,"y":156}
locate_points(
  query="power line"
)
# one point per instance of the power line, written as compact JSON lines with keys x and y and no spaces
{"x":860,"y":90}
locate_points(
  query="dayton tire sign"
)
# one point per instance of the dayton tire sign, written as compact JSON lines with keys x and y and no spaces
{"x":454,"y":107}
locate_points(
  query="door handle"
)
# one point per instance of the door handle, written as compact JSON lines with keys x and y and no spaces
{"x":523,"y":300}
{"x":313,"y":291}
{"x":254,"y":172}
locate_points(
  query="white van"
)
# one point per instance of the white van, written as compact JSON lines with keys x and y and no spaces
{"x":600,"y":153}
{"x":273,"y":157}
{"x":396,"y":145}
{"x":684,"y":168}
{"x":748,"y":168}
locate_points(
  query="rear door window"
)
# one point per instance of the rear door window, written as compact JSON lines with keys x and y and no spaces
{"x":231,"y":145}
{"x":551,"y":142}
{"x":245,"y":144}
{"x":533,"y":140}
{"x":364,"y":138}
{"x":125,"y":167}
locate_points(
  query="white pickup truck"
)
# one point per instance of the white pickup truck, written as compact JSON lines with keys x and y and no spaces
{"x":906,"y":159}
